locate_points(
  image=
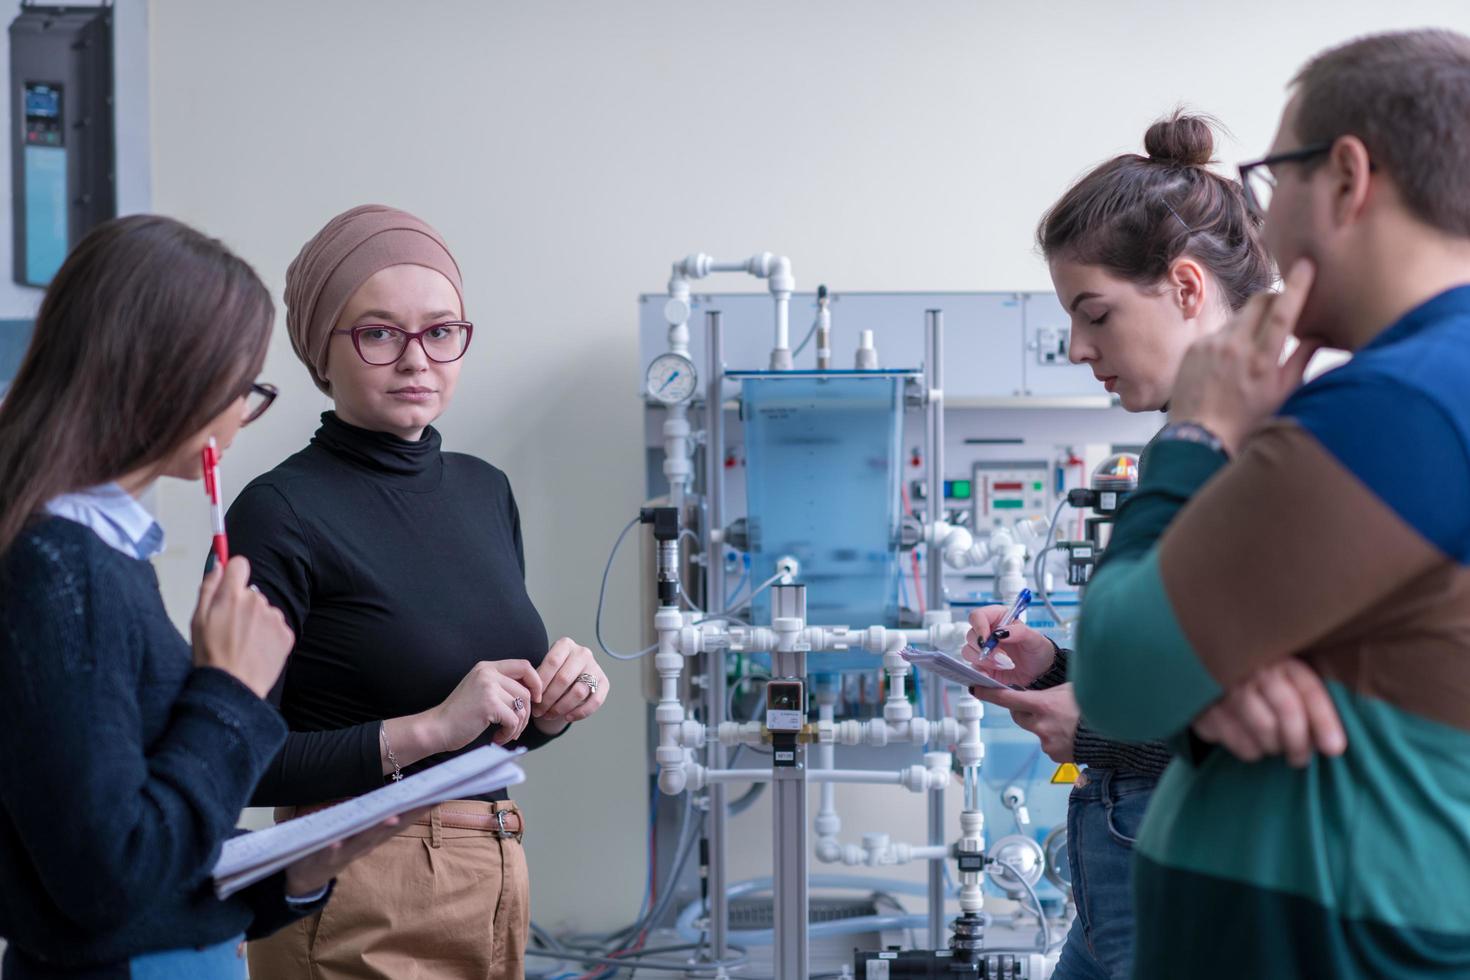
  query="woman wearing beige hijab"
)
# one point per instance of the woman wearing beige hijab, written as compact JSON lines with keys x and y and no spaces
{"x":401,"y":569}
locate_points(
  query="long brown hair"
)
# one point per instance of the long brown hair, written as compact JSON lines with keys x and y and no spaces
{"x":149,"y":330}
{"x":1134,"y":215}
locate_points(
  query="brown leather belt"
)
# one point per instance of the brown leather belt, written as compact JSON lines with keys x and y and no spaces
{"x":502,"y":819}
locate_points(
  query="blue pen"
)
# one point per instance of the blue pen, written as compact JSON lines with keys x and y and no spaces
{"x":1014,"y":613}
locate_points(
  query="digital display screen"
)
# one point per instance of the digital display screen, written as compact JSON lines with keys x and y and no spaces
{"x":43,"y":114}
{"x":957,"y":489}
{"x":43,"y":101}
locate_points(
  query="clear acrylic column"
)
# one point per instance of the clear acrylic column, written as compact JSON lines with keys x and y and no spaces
{"x":823,"y":466}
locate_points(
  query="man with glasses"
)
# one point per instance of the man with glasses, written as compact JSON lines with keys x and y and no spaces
{"x":1332,"y":533}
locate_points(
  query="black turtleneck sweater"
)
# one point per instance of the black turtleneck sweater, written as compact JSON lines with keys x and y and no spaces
{"x":399,"y":567}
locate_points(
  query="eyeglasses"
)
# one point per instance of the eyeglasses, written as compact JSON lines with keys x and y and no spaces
{"x":257,"y":399}
{"x":1258,"y":182}
{"x":379,"y":344}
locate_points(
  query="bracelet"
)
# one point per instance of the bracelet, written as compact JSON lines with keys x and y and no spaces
{"x":392,"y":759}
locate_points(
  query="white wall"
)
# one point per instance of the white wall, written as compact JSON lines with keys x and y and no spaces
{"x":570,"y":150}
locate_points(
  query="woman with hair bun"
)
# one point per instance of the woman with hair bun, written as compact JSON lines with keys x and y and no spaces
{"x":1148,"y":254}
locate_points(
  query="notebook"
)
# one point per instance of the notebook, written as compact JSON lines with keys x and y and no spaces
{"x":248,"y":858}
{"x":952,"y":669}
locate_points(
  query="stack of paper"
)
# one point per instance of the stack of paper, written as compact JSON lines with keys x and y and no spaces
{"x":952,"y":669}
{"x":250,"y":857}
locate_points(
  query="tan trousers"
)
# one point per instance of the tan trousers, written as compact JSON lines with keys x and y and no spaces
{"x":433,"y":903}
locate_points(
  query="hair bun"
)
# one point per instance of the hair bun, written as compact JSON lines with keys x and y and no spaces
{"x":1182,"y":140}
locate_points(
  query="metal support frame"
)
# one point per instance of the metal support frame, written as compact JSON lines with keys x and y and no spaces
{"x":717,"y":818}
{"x":933,"y":692}
{"x":790,"y":952}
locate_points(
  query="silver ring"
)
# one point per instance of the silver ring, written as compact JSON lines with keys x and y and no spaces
{"x":591,"y":683}
{"x":519,"y":704}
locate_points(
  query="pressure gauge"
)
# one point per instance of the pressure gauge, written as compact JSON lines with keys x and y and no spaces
{"x":671,"y":379}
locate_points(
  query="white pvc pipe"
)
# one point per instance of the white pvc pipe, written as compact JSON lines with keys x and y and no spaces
{"x":827,"y":760}
{"x":854,"y":776}
{"x":876,"y":776}
{"x":678,"y":452}
{"x":678,"y":447}
{"x":737,"y":776}
{"x":876,"y":640}
{"x":828,"y":824}
{"x":670,"y":712}
{"x":776,"y":269}
{"x":875,"y":731}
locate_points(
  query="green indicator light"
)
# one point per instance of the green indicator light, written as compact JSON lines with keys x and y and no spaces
{"x":1037,"y":485}
{"x":960,"y":490}
{"x":1008,"y":504}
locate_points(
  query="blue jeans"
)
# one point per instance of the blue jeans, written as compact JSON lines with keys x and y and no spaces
{"x":1103,"y":817}
{"x":221,"y":962}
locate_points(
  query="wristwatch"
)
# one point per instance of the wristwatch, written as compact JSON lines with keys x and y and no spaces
{"x":1191,"y":432}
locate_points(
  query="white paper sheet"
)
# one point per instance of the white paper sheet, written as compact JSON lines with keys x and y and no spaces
{"x":952,"y":669}
{"x":248,"y":858}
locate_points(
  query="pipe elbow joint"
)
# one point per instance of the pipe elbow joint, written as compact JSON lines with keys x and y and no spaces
{"x":671,"y":781}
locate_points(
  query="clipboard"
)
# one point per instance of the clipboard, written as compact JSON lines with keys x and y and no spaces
{"x":953,"y":669}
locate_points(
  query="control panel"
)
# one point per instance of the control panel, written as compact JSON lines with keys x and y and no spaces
{"x":1051,"y":345}
{"x":1007,"y":491}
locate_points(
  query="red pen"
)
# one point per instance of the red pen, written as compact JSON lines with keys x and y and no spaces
{"x":216,"y":512}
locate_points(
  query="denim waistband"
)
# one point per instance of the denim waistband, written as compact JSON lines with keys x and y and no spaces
{"x":1098,"y":784}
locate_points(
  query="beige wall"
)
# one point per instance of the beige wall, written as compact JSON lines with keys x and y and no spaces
{"x":570,"y":150}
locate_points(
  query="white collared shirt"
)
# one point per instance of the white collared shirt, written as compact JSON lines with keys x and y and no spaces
{"x":114,"y":516}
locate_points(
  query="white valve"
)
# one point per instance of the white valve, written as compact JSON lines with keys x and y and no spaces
{"x":1014,"y":799}
{"x":677,"y":310}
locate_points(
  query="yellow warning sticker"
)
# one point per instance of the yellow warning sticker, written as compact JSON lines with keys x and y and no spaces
{"x":1066,"y":773}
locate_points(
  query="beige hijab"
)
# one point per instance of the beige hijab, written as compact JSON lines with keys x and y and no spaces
{"x":353,"y":247}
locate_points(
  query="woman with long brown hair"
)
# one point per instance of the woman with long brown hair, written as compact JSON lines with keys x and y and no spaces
{"x":125,"y":757}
